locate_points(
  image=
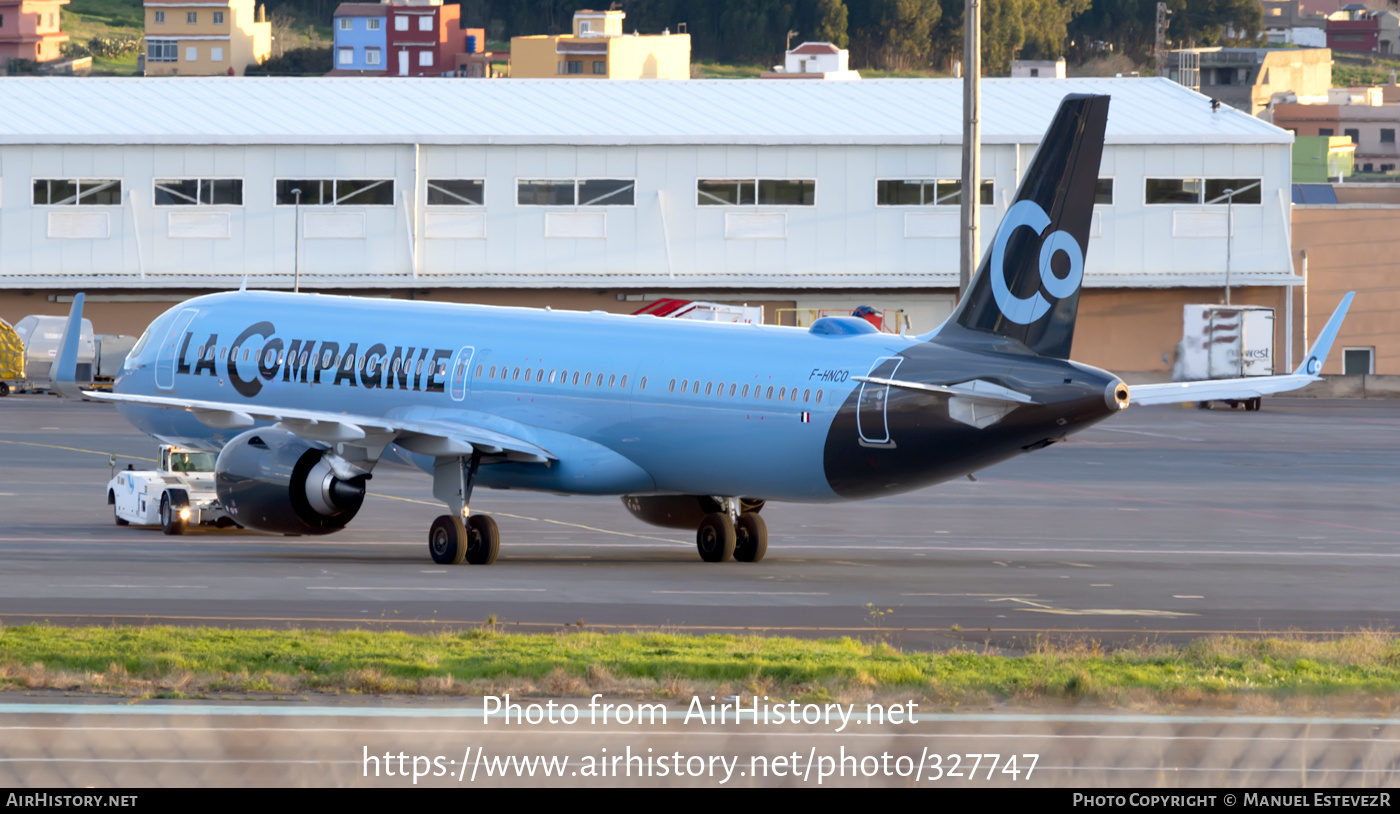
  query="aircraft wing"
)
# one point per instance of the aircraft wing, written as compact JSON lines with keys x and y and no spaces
{"x":437,"y":438}
{"x":1249,"y":386}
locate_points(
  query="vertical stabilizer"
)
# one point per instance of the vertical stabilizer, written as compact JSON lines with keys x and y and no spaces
{"x":1027,"y":286}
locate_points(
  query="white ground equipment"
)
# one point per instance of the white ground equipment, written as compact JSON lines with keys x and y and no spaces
{"x":177,"y":495}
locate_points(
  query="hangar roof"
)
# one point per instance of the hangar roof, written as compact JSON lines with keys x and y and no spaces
{"x":357,"y":110}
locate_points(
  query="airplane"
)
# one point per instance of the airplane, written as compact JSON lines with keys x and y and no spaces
{"x":696,"y":425}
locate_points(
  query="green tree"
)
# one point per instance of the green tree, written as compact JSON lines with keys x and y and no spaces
{"x":831,"y":22}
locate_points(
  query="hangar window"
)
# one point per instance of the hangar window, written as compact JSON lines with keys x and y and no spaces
{"x":1173,"y":190}
{"x":82,"y":191}
{"x":1387,"y":135}
{"x":756,"y":191}
{"x":162,"y":50}
{"x":926,"y":192}
{"x":1203,"y":190}
{"x":1103,"y":192}
{"x":1242,"y":190}
{"x":336,"y":192}
{"x":198,"y":191}
{"x":456,"y":192}
{"x":576,"y":192}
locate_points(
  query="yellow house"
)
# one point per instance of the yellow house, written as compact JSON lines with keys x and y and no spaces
{"x":219,"y":38}
{"x":599,"y":49}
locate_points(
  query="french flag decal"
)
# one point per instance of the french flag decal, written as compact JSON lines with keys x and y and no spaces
{"x":806,"y":417}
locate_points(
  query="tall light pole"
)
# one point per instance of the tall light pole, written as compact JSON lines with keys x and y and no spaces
{"x":1229,"y":237}
{"x":296,"y":243}
{"x":972,"y":144}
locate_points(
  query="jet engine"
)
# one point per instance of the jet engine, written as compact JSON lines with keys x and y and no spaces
{"x":679,"y":511}
{"x":272,"y":480}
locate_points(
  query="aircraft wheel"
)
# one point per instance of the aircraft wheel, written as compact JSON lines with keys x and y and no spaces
{"x":715,"y":537}
{"x":1256,"y":403}
{"x":170,"y":521}
{"x":4,"y":390}
{"x":483,"y":540}
{"x":750,"y":538}
{"x":447,"y":540}
{"x":1203,"y":405}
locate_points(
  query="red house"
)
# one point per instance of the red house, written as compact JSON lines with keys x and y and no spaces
{"x":424,"y":38}
{"x":1361,"y":33}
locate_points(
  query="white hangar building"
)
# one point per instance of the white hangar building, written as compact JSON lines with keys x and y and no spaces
{"x":599,"y":194}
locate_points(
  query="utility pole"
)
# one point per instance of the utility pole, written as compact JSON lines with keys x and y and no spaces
{"x":296,"y":243}
{"x":1160,"y":49}
{"x":1229,"y":238}
{"x":972,"y":144}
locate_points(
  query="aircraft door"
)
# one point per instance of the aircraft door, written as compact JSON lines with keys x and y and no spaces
{"x":461,"y":370}
{"x":871,"y":420}
{"x":170,"y":348}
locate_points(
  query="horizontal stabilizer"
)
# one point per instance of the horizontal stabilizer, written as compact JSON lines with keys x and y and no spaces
{"x":1249,"y":387}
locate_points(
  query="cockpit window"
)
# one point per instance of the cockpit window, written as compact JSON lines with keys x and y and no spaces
{"x":136,"y":349}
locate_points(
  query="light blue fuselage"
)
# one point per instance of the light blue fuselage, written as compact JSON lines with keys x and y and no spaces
{"x":645,"y":437}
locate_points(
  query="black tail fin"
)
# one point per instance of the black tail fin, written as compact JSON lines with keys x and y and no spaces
{"x":1027,"y":286}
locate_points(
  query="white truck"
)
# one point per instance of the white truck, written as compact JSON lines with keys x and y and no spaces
{"x":178,"y":494}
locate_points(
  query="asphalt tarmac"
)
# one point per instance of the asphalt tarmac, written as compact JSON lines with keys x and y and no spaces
{"x":1160,"y":524}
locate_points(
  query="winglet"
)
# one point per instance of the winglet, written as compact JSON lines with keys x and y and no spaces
{"x":65,"y":367}
{"x":1317,"y":354}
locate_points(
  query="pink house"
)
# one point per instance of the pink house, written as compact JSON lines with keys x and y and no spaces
{"x":31,"y":29}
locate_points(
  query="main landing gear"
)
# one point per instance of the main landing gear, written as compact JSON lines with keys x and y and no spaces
{"x":1250,"y":405}
{"x":731,"y":534}
{"x":453,"y":538}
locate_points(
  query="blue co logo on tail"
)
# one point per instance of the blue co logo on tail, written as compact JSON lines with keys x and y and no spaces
{"x":1025,"y":310}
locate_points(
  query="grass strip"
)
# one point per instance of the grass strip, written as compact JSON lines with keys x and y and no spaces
{"x":175,"y":661}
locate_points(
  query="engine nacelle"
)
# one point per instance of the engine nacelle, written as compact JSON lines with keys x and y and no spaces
{"x":272,"y":480}
{"x":679,"y":511}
